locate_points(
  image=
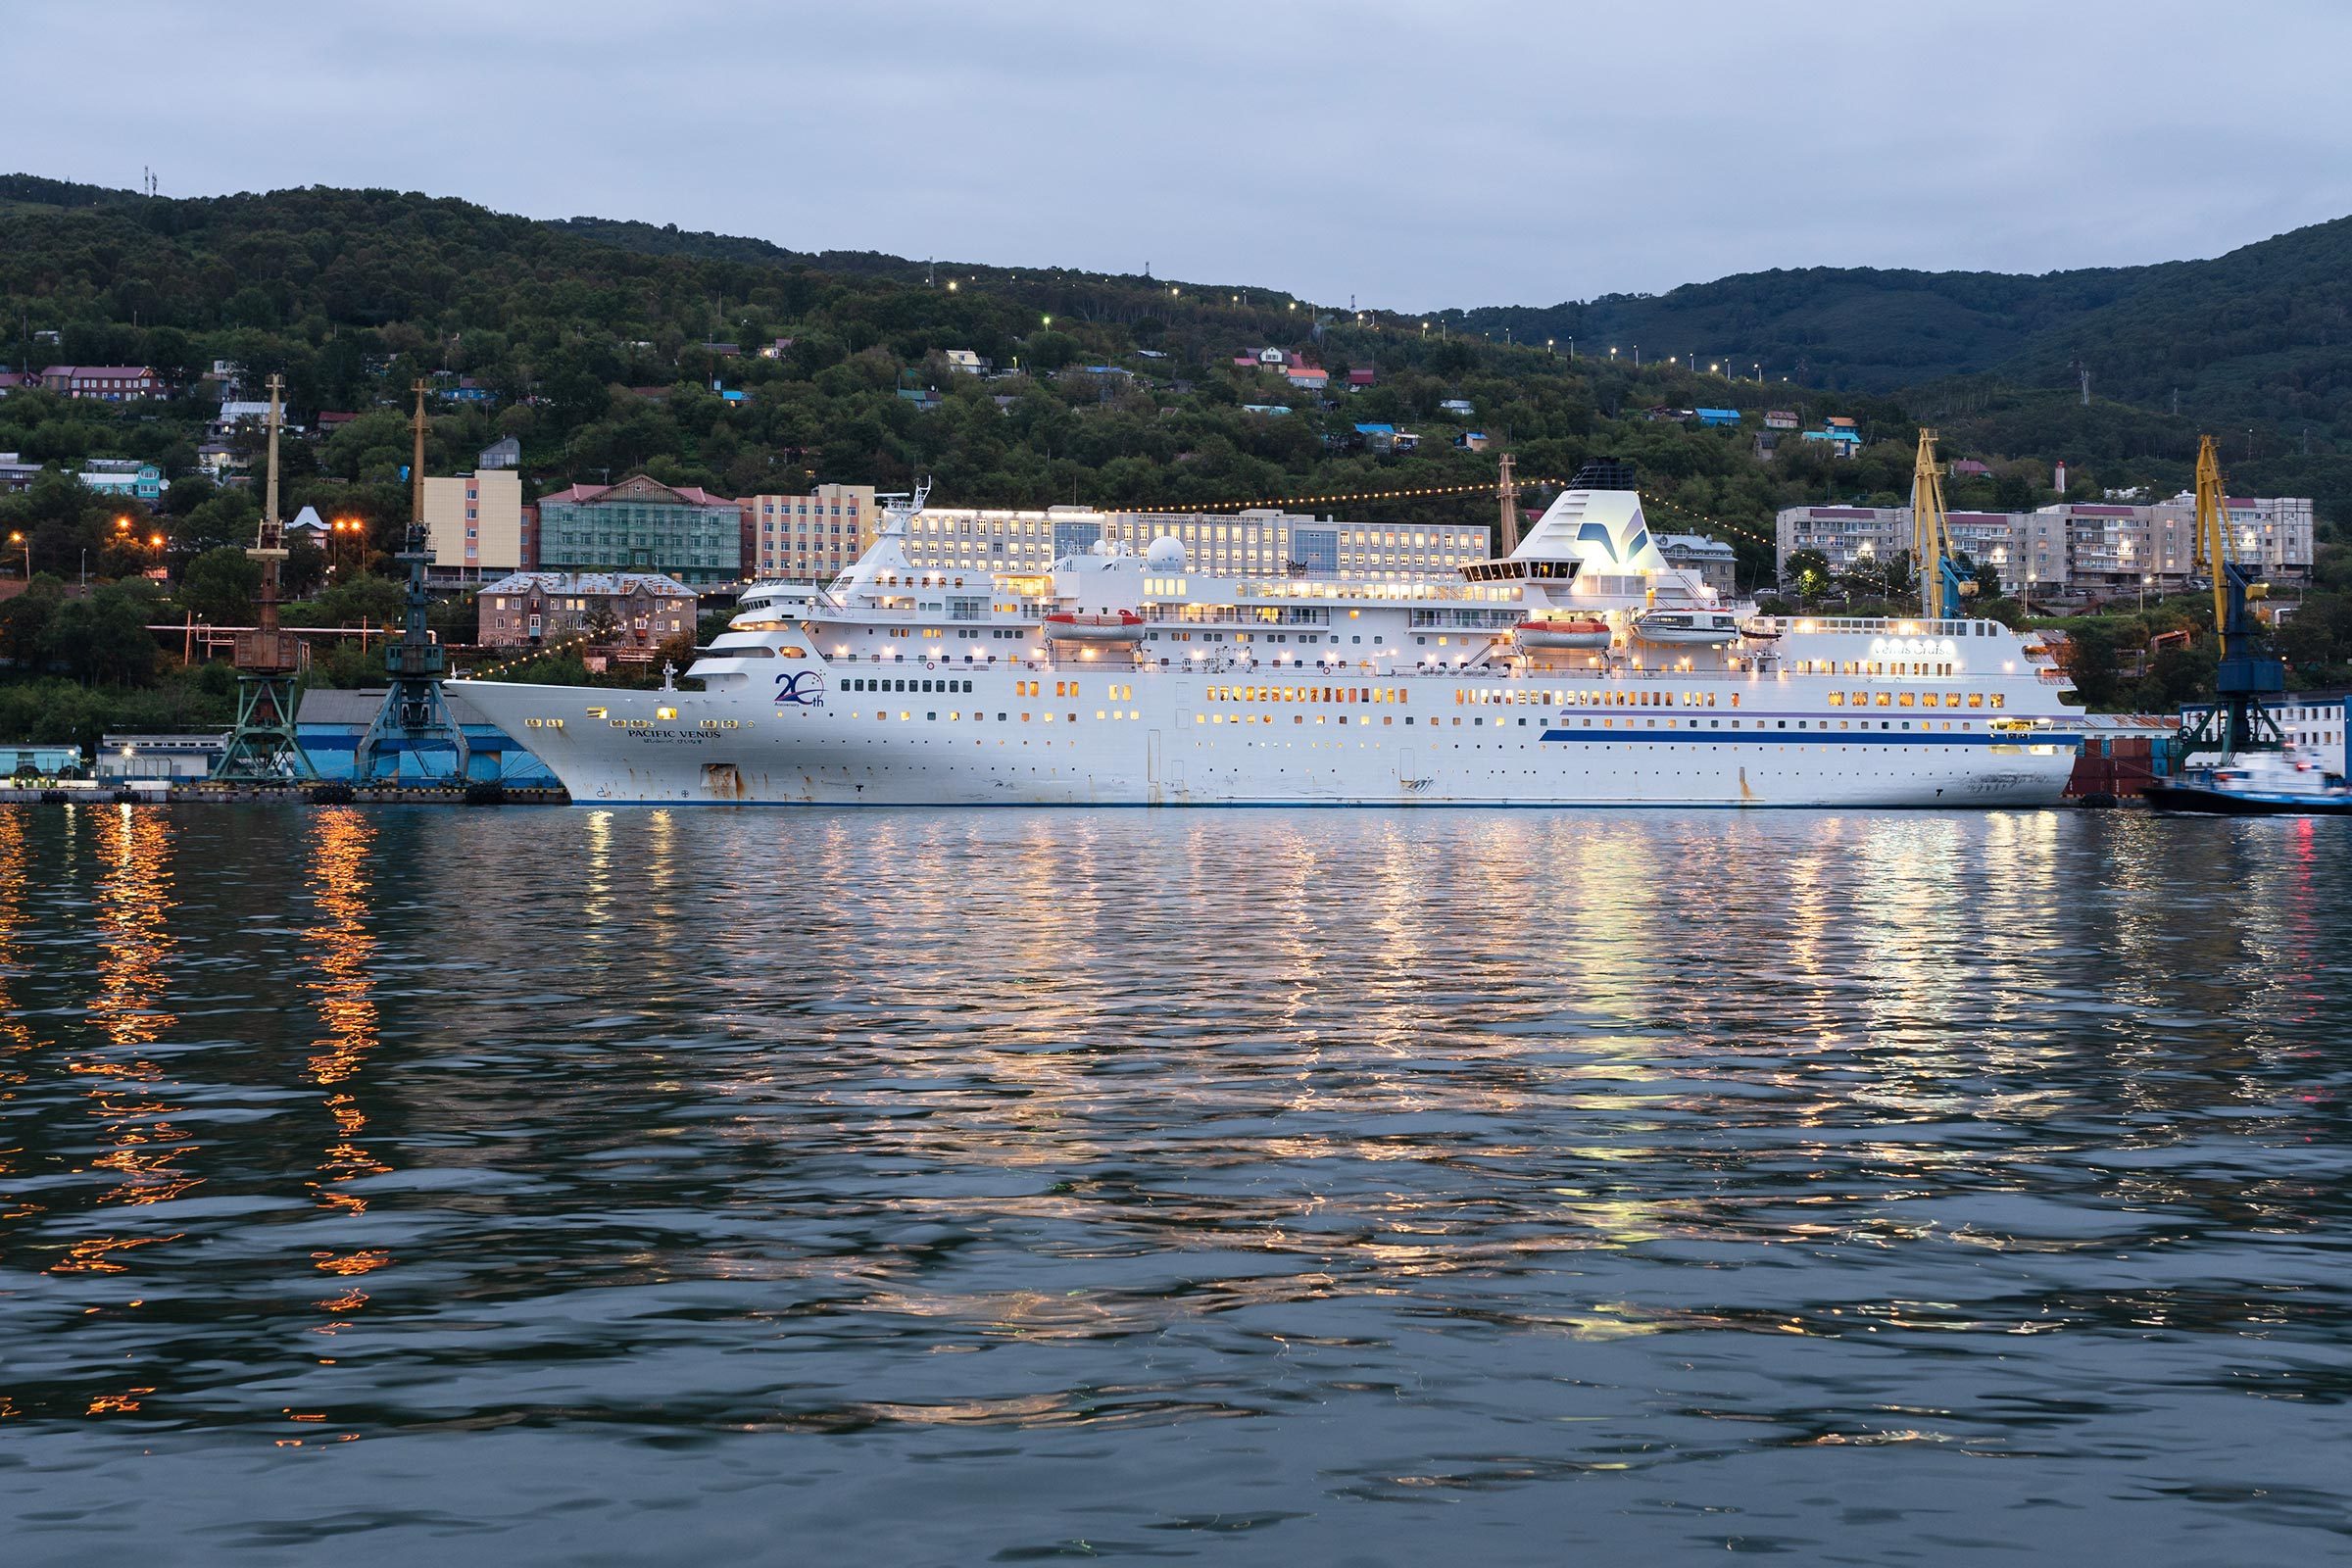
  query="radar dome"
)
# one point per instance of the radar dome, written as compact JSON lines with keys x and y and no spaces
{"x":1166,"y":554}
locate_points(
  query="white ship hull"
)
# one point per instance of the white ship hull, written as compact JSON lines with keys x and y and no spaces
{"x":1176,"y":741}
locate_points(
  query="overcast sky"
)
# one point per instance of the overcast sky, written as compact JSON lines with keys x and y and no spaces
{"x":1448,"y":152}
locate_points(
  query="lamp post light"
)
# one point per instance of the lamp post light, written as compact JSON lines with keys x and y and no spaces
{"x":17,"y":538}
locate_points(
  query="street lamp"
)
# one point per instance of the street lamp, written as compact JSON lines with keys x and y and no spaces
{"x":16,"y":538}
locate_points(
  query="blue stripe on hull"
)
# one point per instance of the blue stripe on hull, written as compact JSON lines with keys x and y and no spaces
{"x":1811,"y":737}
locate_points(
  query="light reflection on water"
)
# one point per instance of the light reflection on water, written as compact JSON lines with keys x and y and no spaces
{"x":922,"y":1187}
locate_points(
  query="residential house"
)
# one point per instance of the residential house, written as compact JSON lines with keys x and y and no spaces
{"x":503,"y":453}
{"x":309,"y":528}
{"x":124,"y":476}
{"x":524,"y":607}
{"x":1718,"y":417}
{"x":1460,"y":406}
{"x":18,"y":381}
{"x":15,"y":474}
{"x":1471,"y":440}
{"x":966,"y":362}
{"x":1969,"y":469}
{"x":1361,"y":377}
{"x":1715,"y":561}
{"x":104,"y":383}
{"x":1307,"y":377}
{"x":1780,"y":419}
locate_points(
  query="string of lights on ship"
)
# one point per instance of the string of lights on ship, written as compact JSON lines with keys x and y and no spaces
{"x":1425,"y":491}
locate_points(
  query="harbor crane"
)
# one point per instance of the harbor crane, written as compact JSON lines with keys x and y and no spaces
{"x":1941,"y":589}
{"x":2239,"y":721}
{"x":415,"y":717}
{"x":262,"y":747}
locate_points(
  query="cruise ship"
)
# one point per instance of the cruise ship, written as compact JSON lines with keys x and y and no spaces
{"x":1580,"y":669}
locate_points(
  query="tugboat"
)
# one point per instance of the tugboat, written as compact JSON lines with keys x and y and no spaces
{"x":2260,"y":784}
{"x":2254,"y":775}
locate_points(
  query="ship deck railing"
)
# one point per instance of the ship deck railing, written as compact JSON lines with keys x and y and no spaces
{"x":1301,"y":669}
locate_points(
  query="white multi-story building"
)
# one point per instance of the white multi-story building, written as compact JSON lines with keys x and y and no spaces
{"x":970,"y":539}
{"x":2074,"y":547}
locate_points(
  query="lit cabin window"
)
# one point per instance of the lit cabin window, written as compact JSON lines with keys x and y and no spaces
{"x":791,"y":653}
{"x":666,"y":712}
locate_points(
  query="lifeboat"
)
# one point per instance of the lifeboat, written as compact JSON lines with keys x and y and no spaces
{"x":1583,"y":631}
{"x":1687,"y":628}
{"x":1123,"y":626}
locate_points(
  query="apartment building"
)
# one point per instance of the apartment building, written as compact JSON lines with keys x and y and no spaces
{"x":474,"y":520}
{"x":811,"y":538}
{"x":2087,"y":548}
{"x":641,"y":524}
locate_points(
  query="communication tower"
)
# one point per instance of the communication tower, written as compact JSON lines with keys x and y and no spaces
{"x":264,"y":747}
{"x":415,"y":715}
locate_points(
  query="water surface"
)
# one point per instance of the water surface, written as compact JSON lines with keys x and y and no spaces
{"x":1241,"y":1187}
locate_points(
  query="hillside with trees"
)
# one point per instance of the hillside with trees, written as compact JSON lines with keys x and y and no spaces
{"x":2261,"y":335}
{"x":607,"y":347}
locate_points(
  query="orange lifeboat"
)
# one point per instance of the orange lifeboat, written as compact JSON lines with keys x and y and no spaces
{"x":1120,"y":626}
{"x":1583,"y":631}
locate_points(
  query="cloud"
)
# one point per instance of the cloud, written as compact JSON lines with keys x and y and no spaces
{"x":1413,"y":156}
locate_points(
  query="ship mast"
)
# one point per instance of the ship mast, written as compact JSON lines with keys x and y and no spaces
{"x":1506,"y":495}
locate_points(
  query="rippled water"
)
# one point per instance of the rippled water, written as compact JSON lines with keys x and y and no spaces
{"x":1247,"y":1187}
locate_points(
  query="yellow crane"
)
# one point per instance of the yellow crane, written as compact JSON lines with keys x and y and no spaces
{"x":1941,"y":589}
{"x":2240,"y":722}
